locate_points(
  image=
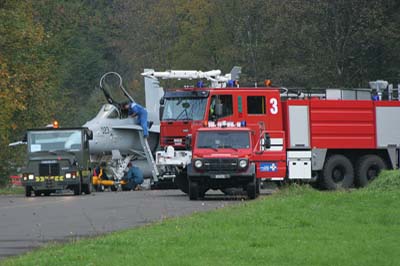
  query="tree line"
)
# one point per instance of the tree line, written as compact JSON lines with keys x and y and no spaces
{"x":53,"y":53}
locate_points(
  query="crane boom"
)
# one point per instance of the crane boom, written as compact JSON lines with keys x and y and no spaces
{"x":217,"y":80}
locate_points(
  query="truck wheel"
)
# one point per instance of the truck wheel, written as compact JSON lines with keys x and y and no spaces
{"x":182,"y":183}
{"x":193,"y":190}
{"x":47,"y":193}
{"x":78,"y":189}
{"x":338,"y":173}
{"x":368,"y":167}
{"x":251,"y":190}
{"x":87,"y":188}
{"x":202,"y":192}
{"x":28,"y":191}
{"x":37,"y":193}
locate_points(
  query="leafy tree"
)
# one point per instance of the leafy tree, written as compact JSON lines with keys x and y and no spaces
{"x":26,"y":88}
{"x":78,"y":31}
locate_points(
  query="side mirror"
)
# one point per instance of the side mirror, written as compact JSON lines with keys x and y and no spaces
{"x":89,"y":134}
{"x":161,"y":111}
{"x":188,"y":142}
{"x":267,"y":141}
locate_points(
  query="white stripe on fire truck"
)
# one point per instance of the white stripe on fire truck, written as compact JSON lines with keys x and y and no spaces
{"x":276,"y":144}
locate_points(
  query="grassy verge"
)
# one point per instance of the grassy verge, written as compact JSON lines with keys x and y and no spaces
{"x":296,"y":226}
{"x":11,"y":190}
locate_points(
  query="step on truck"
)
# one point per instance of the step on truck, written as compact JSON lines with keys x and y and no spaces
{"x":336,"y":138}
{"x":57,"y":159}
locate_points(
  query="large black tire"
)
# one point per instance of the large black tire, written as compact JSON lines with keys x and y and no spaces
{"x":78,"y":189}
{"x":47,"y":193}
{"x":202,"y":192}
{"x":87,"y":188}
{"x":28,"y":191}
{"x":368,"y":167}
{"x":193,"y":190}
{"x":251,"y":190}
{"x":182,"y":183}
{"x":37,"y":193}
{"x":338,"y":173}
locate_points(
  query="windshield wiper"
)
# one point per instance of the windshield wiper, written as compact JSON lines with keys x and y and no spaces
{"x":56,"y":152}
{"x":184,"y":111}
{"x":208,"y":147}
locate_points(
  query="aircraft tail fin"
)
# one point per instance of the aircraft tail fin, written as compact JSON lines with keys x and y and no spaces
{"x":153,"y":94}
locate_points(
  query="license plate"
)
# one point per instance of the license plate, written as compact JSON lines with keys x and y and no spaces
{"x":221,"y":176}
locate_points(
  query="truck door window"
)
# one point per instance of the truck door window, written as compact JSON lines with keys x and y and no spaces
{"x":256,"y":105}
{"x":227,"y":105}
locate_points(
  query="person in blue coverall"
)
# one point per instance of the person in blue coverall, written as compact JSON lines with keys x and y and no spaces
{"x":134,"y":177}
{"x":135,"y":109}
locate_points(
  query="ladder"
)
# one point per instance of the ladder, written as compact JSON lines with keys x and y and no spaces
{"x":149,"y":156}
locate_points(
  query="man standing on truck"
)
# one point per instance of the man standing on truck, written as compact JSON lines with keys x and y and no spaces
{"x":135,"y":109}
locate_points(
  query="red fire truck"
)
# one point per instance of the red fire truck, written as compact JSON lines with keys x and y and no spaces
{"x":339,"y":138}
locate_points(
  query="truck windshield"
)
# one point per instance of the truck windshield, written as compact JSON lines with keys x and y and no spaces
{"x":48,"y":140}
{"x":226,"y":139}
{"x":184,"y":108}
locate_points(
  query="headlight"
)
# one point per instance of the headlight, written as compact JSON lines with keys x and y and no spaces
{"x":198,"y":163}
{"x":31,"y":176}
{"x":68,"y":175}
{"x":242,"y":163}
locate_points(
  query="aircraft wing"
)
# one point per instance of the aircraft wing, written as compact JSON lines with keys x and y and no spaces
{"x":21,"y":143}
{"x":154,"y":128}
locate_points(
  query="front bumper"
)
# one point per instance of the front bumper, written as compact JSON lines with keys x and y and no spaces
{"x":222,"y":179}
{"x":50,"y":182}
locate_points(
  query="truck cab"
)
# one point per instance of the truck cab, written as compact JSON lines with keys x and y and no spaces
{"x":57,"y":159}
{"x":222,"y":158}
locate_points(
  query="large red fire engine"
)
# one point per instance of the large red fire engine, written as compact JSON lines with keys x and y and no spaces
{"x":340,"y":138}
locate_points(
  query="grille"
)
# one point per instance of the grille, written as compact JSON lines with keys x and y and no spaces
{"x":174,"y":141}
{"x":49,"y":169}
{"x":220,"y":165}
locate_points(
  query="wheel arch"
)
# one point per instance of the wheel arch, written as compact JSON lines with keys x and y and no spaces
{"x":388,"y":155}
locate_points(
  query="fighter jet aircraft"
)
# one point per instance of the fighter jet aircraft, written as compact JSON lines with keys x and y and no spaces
{"x":116,"y":136}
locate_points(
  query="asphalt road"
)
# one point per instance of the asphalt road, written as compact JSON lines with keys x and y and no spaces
{"x":28,"y":223}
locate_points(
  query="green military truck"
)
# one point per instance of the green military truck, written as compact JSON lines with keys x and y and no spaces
{"x":57,"y":159}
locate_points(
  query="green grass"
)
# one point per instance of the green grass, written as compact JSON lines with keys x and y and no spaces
{"x":296,"y":226}
{"x":11,"y":190}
